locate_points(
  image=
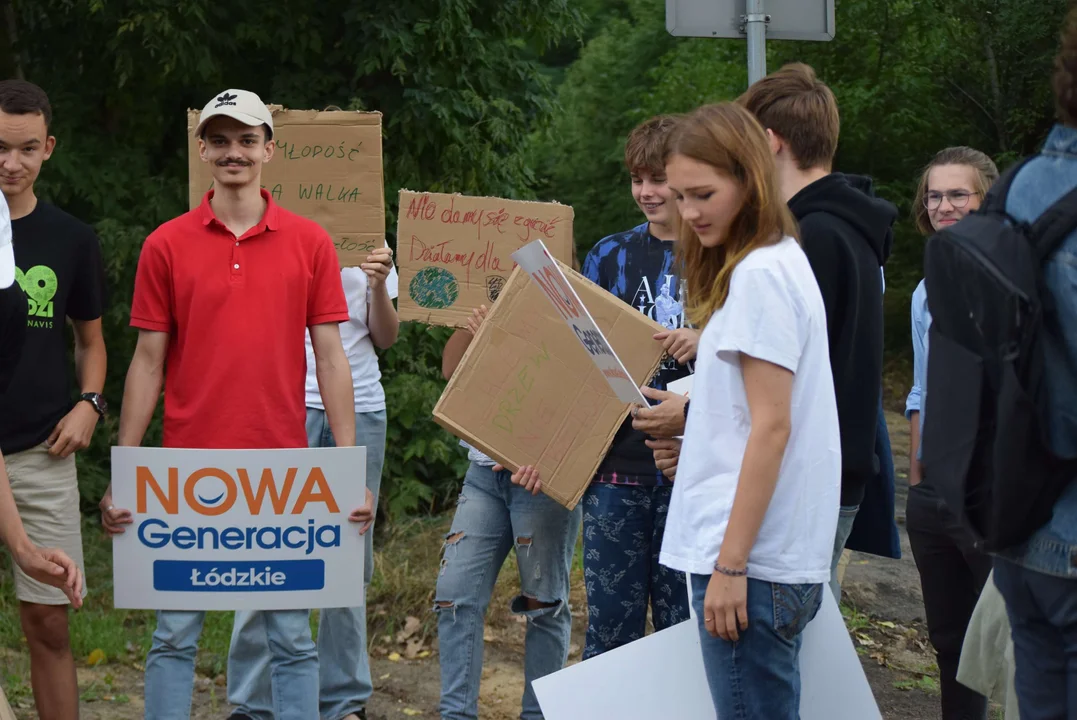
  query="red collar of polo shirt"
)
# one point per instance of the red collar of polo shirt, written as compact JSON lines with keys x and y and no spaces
{"x":270,"y":219}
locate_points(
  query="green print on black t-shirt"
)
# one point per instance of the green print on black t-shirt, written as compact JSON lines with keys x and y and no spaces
{"x":40,"y":284}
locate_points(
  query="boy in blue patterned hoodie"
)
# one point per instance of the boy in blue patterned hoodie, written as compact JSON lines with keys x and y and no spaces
{"x":625,"y":507}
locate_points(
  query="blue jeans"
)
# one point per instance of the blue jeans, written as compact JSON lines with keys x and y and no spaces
{"x":622,"y":536}
{"x":292,"y":664}
{"x":344,"y":676}
{"x":1043,"y":621}
{"x":492,"y":517}
{"x":846,"y":517}
{"x":759,"y":675}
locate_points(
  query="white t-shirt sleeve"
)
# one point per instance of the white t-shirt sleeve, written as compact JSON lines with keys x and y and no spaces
{"x":761,"y":318}
{"x":392,"y":283}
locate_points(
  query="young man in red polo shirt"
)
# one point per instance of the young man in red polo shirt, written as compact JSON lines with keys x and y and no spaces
{"x":223,"y":296}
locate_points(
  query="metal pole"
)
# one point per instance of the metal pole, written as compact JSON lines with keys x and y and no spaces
{"x":755,"y":25}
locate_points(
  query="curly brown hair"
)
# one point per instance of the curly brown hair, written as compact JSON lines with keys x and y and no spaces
{"x":1065,"y":80}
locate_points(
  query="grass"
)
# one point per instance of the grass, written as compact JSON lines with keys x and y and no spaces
{"x":406,"y":564}
{"x":403,"y":584}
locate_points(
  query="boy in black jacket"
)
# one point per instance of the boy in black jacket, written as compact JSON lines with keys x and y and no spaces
{"x":846,"y":234}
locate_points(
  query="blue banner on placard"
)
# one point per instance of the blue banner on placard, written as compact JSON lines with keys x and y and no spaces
{"x":249,"y":576}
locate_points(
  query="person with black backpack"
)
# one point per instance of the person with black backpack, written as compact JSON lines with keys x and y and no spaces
{"x":952,"y":569}
{"x":1037,"y":574}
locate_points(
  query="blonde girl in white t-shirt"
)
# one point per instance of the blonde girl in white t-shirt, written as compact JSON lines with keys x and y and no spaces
{"x":755,"y":505}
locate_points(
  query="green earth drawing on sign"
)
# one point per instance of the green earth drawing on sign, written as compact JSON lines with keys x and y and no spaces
{"x":434,"y":288}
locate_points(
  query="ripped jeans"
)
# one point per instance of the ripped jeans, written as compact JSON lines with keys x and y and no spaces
{"x":492,"y":517}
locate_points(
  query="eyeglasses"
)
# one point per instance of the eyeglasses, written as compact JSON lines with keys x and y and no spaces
{"x":956,"y":198}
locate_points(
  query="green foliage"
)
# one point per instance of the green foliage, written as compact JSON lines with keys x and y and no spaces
{"x":460,"y":83}
{"x":911,"y":77}
{"x":495,"y":98}
{"x":423,"y":463}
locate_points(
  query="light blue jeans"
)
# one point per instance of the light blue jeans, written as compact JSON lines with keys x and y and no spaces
{"x":846,"y":516}
{"x":492,"y":517}
{"x":291,"y":661}
{"x":342,"y":646}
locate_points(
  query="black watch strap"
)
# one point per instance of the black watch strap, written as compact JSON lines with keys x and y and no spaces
{"x":97,"y":401}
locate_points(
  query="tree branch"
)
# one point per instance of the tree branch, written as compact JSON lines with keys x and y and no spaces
{"x":987,"y":113}
{"x":996,"y":91}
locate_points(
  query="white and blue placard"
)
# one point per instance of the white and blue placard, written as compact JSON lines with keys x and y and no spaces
{"x":238,"y":529}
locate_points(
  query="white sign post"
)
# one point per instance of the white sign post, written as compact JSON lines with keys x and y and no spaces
{"x":537,"y":262}
{"x":756,"y":20}
{"x":238,"y":529}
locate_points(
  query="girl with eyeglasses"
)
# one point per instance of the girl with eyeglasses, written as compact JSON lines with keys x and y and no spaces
{"x":952,"y":571}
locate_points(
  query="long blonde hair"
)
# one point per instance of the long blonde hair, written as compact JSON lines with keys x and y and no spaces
{"x":728,"y":138}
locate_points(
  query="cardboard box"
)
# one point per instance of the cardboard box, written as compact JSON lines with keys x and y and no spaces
{"x":454,"y":252}
{"x":327,"y":167}
{"x":527,"y":393}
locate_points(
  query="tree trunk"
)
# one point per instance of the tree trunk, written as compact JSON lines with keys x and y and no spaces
{"x":998,"y":113}
{"x":11,"y":37}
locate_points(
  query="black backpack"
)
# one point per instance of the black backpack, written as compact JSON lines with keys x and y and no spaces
{"x":985,"y":448}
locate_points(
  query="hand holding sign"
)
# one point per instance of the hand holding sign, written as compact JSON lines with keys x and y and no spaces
{"x":526,"y":477}
{"x":474,"y":322}
{"x":112,"y":518}
{"x":377,"y":266}
{"x":681,"y":345}
{"x":664,"y":420}
{"x":364,"y":515}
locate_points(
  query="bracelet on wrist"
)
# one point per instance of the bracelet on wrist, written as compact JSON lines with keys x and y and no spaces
{"x":729,"y":572}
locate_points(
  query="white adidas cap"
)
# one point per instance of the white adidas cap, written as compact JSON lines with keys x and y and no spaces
{"x":242,"y":105}
{"x":7,"y":253}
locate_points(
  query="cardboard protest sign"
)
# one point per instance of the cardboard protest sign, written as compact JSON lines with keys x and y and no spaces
{"x":455,"y":251}
{"x":536,"y":262}
{"x":526,"y":392}
{"x":238,"y":529}
{"x":833,"y":684}
{"x":327,"y":167}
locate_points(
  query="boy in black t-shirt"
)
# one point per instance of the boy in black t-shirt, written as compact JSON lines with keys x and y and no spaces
{"x":626,"y":504}
{"x":49,"y":566}
{"x":58,"y":266}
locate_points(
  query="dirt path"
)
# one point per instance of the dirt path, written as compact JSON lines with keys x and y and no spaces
{"x":887,"y":627}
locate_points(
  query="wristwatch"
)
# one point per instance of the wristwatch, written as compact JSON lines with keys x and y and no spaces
{"x":97,"y":400}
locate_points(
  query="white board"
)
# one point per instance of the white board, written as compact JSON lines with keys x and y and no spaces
{"x":682,"y":386}
{"x":833,"y":684}
{"x":786,"y":19}
{"x":238,"y":529}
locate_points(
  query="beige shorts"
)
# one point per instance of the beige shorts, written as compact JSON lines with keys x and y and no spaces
{"x":46,"y":491}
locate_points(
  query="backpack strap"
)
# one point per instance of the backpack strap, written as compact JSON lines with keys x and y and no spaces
{"x":995,"y":200}
{"x":1054,"y":225}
